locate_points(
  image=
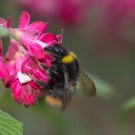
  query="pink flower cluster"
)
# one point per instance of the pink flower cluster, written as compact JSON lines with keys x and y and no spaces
{"x":21,"y":65}
{"x":67,"y":12}
{"x":118,"y":18}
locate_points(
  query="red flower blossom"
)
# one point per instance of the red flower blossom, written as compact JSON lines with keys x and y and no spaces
{"x":21,"y":65}
{"x":118,"y":18}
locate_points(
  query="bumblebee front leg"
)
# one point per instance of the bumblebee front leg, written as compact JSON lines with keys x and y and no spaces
{"x":41,"y":84}
{"x":51,"y":71}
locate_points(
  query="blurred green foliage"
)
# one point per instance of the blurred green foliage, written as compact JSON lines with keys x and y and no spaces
{"x":104,"y":89}
{"x":3,"y":32}
{"x":129,"y":104}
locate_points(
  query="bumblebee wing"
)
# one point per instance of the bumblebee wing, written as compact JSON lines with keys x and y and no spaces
{"x":87,"y":85}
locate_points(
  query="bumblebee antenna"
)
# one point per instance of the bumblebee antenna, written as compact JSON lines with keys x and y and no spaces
{"x":62,"y":32}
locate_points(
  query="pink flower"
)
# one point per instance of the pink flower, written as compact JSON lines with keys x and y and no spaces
{"x":67,"y":12}
{"x":19,"y":75}
{"x":118,"y":18}
{"x":21,"y":66}
{"x":73,"y":12}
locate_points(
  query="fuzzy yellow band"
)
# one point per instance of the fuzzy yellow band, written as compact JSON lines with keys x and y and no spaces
{"x":69,"y":58}
{"x":53,"y":101}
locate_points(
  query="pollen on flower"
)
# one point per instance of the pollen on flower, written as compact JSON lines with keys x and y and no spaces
{"x":23,"y":77}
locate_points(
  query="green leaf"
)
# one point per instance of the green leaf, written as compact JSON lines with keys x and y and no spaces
{"x":3,"y":32}
{"x":129,"y":104}
{"x":9,"y":125}
{"x":104,"y":89}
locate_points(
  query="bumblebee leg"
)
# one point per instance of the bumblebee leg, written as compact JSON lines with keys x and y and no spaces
{"x":51,"y":71}
{"x":44,"y":66}
{"x":54,"y":73}
{"x":41,"y":84}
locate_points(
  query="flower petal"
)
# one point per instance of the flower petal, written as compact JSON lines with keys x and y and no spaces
{"x":59,"y":37}
{"x":31,"y":67}
{"x":9,"y":79}
{"x":38,"y":27}
{"x":29,"y":95}
{"x":23,"y":93}
{"x":9,"y":22}
{"x":48,"y":38}
{"x":17,"y":92}
{"x":3,"y":22}
{"x":34,"y":49}
{"x":23,"y":77}
{"x":13,"y":48}
{"x":1,"y":47}
{"x":47,"y":61}
{"x":37,"y":51}
{"x":24,"y":20}
{"x":3,"y":70}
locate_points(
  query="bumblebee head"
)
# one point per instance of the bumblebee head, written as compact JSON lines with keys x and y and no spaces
{"x":69,"y":58}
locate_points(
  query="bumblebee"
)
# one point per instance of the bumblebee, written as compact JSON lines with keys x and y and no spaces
{"x":65,"y":75}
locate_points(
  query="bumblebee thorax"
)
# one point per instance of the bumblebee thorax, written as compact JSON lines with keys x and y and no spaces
{"x":69,"y":58}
